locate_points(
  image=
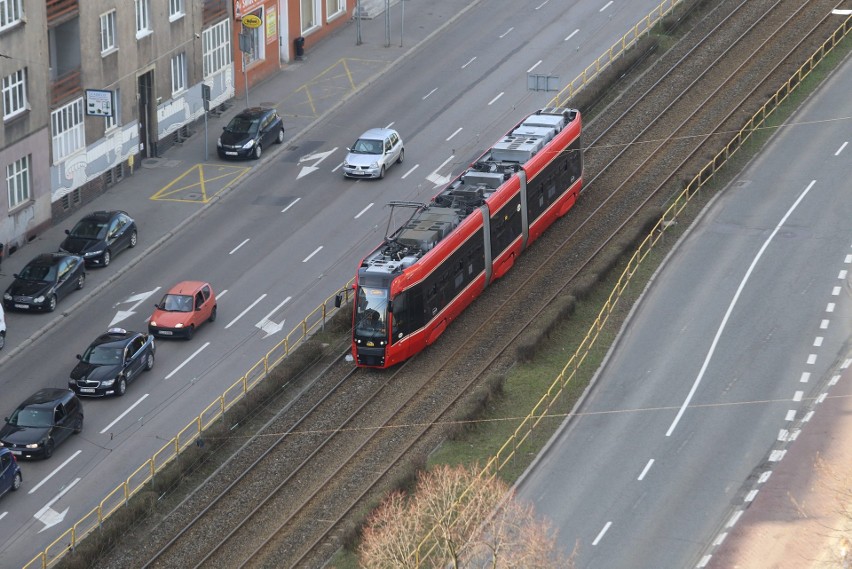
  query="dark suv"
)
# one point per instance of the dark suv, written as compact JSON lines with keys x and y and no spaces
{"x":250,"y":132}
{"x":46,"y":419}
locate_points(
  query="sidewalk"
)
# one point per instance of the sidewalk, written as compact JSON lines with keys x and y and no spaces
{"x":304,"y":92}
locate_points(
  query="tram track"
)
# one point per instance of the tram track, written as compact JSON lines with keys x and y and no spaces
{"x":339,"y":446}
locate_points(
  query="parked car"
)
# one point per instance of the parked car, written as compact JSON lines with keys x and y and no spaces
{"x":10,"y":473}
{"x":183,"y":309}
{"x":248,"y":133}
{"x":44,"y":281}
{"x":373,"y":153}
{"x":2,"y":328}
{"x":101,"y":235}
{"x":111,"y":361}
{"x":42,"y":422}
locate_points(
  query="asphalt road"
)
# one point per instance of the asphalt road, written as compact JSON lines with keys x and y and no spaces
{"x":288,"y":235}
{"x":731,"y":347}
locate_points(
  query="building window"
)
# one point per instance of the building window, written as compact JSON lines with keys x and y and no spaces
{"x":15,"y":93}
{"x":143,"y":18}
{"x":178,"y":73}
{"x":68,"y":130}
{"x":11,"y":12}
{"x":175,"y":10}
{"x":115,"y":119}
{"x":334,"y":7}
{"x":216,"y":47}
{"x":108,"y":32}
{"x":18,"y":182}
{"x":257,"y":52}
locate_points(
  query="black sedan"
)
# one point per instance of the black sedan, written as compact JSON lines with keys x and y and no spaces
{"x":44,"y":281}
{"x":111,"y":362}
{"x":101,"y":235}
{"x":250,"y":132}
{"x":42,"y":422}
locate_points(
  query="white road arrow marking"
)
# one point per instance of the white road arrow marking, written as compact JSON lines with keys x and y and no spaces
{"x":50,"y":517}
{"x":268,"y":325}
{"x":137,"y":299}
{"x":436,"y":178}
{"x":319,"y":157}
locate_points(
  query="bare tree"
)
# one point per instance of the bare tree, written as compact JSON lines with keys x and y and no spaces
{"x":458,"y":518}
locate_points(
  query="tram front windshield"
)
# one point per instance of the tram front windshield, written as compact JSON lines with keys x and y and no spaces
{"x":372,"y":313}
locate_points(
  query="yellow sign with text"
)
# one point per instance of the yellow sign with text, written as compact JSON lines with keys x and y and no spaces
{"x":252,"y":21}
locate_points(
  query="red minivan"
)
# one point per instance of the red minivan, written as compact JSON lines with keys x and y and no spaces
{"x":183,"y":309}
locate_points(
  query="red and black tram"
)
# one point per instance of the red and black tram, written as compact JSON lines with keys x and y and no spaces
{"x":411,"y":287}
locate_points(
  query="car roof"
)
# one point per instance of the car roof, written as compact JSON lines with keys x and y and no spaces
{"x":49,"y":258}
{"x":253,"y":112}
{"x":103,"y":215}
{"x":187,"y":287}
{"x":377,"y":133}
{"x":47,"y":395}
{"x":116,"y":336}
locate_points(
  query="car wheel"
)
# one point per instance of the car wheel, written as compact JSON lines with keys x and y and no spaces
{"x":18,"y":480}
{"x":81,"y":280}
{"x":122,"y":387}
{"x":2,"y":340}
{"x":258,"y":151}
{"x":382,"y":173}
{"x":48,"y":448}
{"x":190,"y":332}
{"x":51,"y":304}
{"x":134,"y":237}
{"x":280,"y":139}
{"x":106,"y":258}
{"x":211,"y":319}
{"x":401,"y":156}
{"x":149,"y":361}
{"x":78,"y":426}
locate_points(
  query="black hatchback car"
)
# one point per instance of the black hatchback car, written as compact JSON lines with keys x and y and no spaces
{"x":112,"y":361}
{"x":101,"y":235}
{"x":44,"y":281}
{"x":41,"y":423}
{"x":250,"y":132}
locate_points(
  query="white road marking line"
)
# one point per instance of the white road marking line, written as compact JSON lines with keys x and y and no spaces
{"x":243,"y":313}
{"x":52,"y":474}
{"x":120,"y":417}
{"x":537,"y":63}
{"x":363,"y":211}
{"x":601,"y":534}
{"x":292,"y":203}
{"x":823,"y":324}
{"x":413,"y":168}
{"x":607,"y":5}
{"x":426,"y":96}
{"x":829,"y":307}
{"x":571,"y":35}
{"x":494,"y":100}
{"x":187,"y":360}
{"x":234,"y":250}
{"x":791,"y":415}
{"x":818,"y":341}
{"x":469,"y":61}
{"x":308,"y":258}
{"x":646,"y":469}
{"x":812,"y":358}
{"x":506,"y":33}
{"x":839,"y":150}
{"x":458,"y":130}
{"x":806,"y":376}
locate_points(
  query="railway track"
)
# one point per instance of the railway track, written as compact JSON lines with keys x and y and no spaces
{"x":293,"y":491}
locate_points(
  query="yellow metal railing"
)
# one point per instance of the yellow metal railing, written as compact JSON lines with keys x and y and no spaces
{"x":134,"y":483}
{"x":543,"y":407}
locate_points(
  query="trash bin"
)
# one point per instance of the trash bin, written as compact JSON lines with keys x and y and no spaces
{"x":299,"y":44}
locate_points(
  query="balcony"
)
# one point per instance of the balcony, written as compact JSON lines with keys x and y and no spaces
{"x":65,"y":87}
{"x":59,"y":11}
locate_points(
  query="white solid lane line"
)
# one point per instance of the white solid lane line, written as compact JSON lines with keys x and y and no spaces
{"x":187,"y":360}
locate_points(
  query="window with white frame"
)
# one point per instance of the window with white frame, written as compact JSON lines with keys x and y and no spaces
{"x":143,"y":18}
{"x":115,"y":119}
{"x":333,"y":8}
{"x":309,"y":13}
{"x":68,"y":129}
{"x":15,"y":93}
{"x":258,"y":45}
{"x":18,"y":182}
{"x":178,"y":73}
{"x":11,"y":12}
{"x":175,"y":10}
{"x":108,"y":32}
{"x":216,"y":47}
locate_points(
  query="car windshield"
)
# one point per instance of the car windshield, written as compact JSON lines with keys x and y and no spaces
{"x":371,"y":314}
{"x":38,"y":272}
{"x":103,"y":355}
{"x":366,"y":146}
{"x":176,"y":303}
{"x":31,"y":417}
{"x":88,"y":229}
{"x":242,"y":125}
